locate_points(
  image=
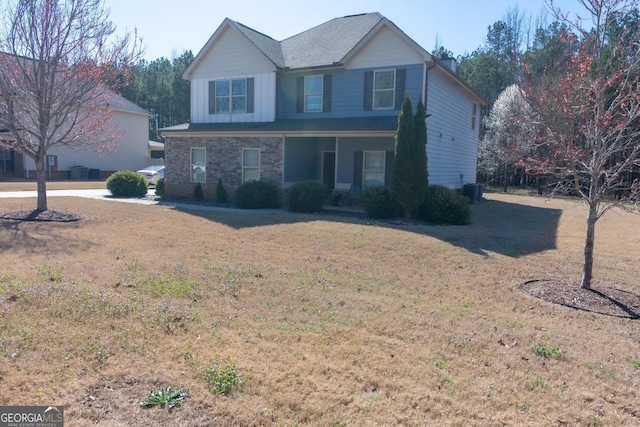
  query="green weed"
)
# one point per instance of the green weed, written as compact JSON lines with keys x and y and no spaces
{"x":223,"y":380}
{"x":166,"y":397}
{"x":544,"y":351}
{"x":635,"y":363}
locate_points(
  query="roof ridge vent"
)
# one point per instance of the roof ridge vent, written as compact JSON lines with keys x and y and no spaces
{"x":353,"y":16}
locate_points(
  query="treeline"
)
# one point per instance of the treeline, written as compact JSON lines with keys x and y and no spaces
{"x":158,"y":87}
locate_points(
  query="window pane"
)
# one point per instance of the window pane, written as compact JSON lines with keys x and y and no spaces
{"x":198,"y":173}
{"x":222,"y":88}
{"x":239,"y":104}
{"x":197,"y":156}
{"x":373,"y":178}
{"x":239,"y":87}
{"x":251,"y":174}
{"x":383,"y":99}
{"x":374,"y":161}
{"x":251,"y":157}
{"x":222,"y":105}
{"x":313,"y":84}
{"x":384,"y":79}
{"x":314,"y":103}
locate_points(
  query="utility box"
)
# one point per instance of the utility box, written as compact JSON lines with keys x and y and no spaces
{"x":79,"y":172}
{"x":473,"y":192}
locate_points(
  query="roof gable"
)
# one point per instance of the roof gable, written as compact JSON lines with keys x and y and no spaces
{"x":265,"y":45}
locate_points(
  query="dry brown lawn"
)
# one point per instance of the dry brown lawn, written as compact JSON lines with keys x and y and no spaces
{"x":331,"y":321}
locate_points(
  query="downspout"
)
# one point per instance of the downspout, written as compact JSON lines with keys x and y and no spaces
{"x":425,"y":90}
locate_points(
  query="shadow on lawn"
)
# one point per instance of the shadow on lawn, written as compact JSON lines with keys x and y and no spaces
{"x":506,"y":228}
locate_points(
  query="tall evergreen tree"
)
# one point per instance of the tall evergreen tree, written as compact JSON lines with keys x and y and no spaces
{"x":420,"y":135}
{"x":408,"y":185}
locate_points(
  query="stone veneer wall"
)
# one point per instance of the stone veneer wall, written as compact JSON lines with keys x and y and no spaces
{"x":223,"y":161}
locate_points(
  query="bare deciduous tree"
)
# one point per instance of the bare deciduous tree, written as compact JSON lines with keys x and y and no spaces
{"x":587,"y":112}
{"x":60,"y":61}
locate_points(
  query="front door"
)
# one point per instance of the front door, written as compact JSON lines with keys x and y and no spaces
{"x":329,"y":169}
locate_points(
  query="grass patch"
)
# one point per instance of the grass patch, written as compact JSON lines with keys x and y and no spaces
{"x":167,"y":397}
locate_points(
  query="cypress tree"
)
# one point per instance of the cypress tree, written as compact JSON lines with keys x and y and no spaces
{"x":404,"y":160}
{"x":420,"y":135}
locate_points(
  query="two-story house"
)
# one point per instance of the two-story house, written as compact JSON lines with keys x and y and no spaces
{"x":322,"y":105}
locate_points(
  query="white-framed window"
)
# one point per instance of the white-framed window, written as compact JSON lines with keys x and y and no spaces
{"x":198,"y":164}
{"x":373,"y":168}
{"x":474,"y":113}
{"x":384,"y":88}
{"x":313,"y":89}
{"x":250,"y":164}
{"x":231,"y":96}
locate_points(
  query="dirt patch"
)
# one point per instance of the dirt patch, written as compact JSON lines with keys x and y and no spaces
{"x":602,"y":300}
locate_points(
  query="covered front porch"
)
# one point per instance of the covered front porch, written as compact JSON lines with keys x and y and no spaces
{"x":340,"y":162}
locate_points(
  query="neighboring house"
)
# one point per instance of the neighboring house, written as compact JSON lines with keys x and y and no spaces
{"x":322,"y":105}
{"x":131,"y":153}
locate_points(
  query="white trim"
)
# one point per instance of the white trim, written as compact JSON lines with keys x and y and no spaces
{"x":191,"y":164}
{"x":321,"y":93}
{"x":393,"y":90}
{"x":250,"y":167}
{"x":364,"y":162}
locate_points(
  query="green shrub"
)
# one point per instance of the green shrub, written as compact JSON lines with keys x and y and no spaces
{"x":376,"y":201}
{"x":160,"y":187}
{"x":221,"y":193}
{"x":444,"y":206}
{"x":307,"y":196}
{"x":127,"y":184}
{"x":198,"y":194}
{"x":257,"y":195}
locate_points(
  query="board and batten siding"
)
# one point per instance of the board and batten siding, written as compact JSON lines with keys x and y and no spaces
{"x":234,"y":57}
{"x":452,"y":145}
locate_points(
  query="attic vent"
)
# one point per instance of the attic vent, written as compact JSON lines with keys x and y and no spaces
{"x":353,"y":16}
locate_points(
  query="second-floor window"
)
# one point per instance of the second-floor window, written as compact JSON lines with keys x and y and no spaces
{"x":474,"y":113}
{"x":313,"y":93}
{"x":384,"y":84}
{"x":231,"y":96}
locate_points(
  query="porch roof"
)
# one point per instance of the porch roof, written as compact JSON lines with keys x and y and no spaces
{"x":328,"y":125}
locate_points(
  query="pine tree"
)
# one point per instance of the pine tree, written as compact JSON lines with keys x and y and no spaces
{"x":403,"y":183}
{"x":420,"y":135}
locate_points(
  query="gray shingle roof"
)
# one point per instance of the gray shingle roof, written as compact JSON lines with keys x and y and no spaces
{"x":270,"y":47}
{"x":325,"y":44}
{"x":328,"y":43}
{"x":331,"y":125}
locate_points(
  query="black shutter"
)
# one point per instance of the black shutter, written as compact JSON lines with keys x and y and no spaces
{"x":326,"y":93}
{"x":212,"y":97}
{"x":388,"y":167}
{"x":357,"y":167}
{"x":250,"y":95}
{"x":300,"y":95}
{"x":401,"y":77}
{"x":368,"y":91}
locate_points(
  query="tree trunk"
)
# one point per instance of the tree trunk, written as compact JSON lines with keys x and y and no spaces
{"x":587,"y":269}
{"x":41,"y":179}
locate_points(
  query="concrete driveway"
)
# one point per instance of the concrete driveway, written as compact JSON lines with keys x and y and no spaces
{"x":96,"y":193}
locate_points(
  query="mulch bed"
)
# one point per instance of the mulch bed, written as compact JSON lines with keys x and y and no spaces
{"x":37,"y":215}
{"x":602,"y":300}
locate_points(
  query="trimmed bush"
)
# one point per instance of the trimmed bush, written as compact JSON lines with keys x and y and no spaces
{"x":160,"y":187}
{"x":376,"y":202}
{"x":443,"y":205}
{"x":198,"y":194}
{"x":221,"y":193}
{"x":127,"y":184}
{"x":307,"y":196}
{"x":257,"y":195}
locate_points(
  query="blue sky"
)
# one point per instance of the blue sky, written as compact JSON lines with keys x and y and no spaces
{"x":170,"y":28}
